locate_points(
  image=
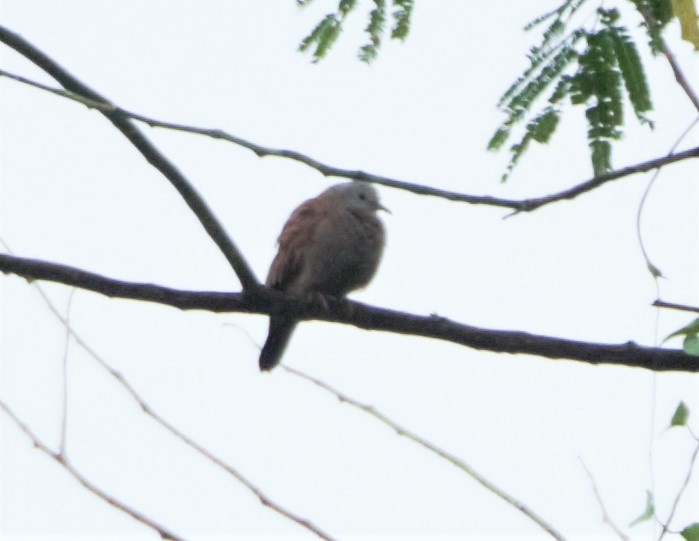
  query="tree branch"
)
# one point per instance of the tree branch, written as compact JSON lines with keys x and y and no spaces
{"x":666,"y":526}
{"x":605,"y":515}
{"x":195,"y":202}
{"x":63,"y":461}
{"x":64,"y":405}
{"x":680,"y":77}
{"x":148,"y":410}
{"x":264,"y":301}
{"x":456,"y":461}
{"x":517,"y":205}
{"x":684,"y":307}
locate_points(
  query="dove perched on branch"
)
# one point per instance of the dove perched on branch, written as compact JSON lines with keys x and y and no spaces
{"x":330,"y":245}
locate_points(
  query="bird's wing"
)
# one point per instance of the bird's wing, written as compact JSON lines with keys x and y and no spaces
{"x":297,"y":234}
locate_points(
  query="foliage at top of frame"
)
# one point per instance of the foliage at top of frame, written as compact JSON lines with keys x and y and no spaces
{"x":326,"y":32}
{"x":594,"y":65}
{"x":656,"y":14}
{"x":597,"y":68}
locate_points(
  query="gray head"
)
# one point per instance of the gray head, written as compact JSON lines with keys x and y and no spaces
{"x":360,"y":195}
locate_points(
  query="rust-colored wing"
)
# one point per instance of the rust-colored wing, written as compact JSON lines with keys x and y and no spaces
{"x":296,"y":235}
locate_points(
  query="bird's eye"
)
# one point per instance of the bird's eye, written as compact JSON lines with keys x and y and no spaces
{"x":362,"y":196}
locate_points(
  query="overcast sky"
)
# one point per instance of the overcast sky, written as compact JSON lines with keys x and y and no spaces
{"x":75,"y":191}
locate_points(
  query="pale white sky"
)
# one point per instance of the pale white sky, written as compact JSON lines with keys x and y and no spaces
{"x":74,"y":191}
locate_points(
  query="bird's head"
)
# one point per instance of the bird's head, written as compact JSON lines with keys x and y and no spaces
{"x":360,"y":195}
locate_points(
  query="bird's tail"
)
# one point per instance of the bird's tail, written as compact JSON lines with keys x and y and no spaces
{"x":280,"y":329}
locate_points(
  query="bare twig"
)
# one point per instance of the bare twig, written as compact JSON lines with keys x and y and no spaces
{"x":111,"y":500}
{"x":605,"y":515}
{"x":666,"y":526}
{"x":517,"y":205}
{"x":417,"y":439}
{"x":64,"y":416}
{"x":671,"y":305}
{"x":655,"y":271}
{"x":265,"y":300}
{"x":401,"y":431}
{"x":148,"y":410}
{"x":195,"y":202}
{"x":680,"y":76}
{"x":651,"y":22}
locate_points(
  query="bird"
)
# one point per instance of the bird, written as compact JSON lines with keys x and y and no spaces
{"x":330,"y":245}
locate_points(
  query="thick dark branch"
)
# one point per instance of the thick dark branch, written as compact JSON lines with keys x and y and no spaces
{"x":195,"y":202}
{"x":517,"y":205}
{"x":264,"y":301}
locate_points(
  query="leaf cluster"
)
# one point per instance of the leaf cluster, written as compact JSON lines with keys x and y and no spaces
{"x":598,"y":69}
{"x":326,"y":32}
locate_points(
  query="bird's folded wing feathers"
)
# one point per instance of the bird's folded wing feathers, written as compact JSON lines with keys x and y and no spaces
{"x":298,"y":233}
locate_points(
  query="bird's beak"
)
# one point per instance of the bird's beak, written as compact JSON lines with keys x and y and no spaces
{"x":379,"y":206}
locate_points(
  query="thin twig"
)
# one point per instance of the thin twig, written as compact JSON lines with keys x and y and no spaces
{"x":401,"y":431}
{"x":64,"y":413}
{"x":666,"y":526}
{"x":63,"y":461}
{"x":680,"y":76}
{"x":265,"y":300}
{"x":671,"y":305}
{"x":681,"y":79}
{"x":605,"y":515}
{"x":655,"y":271}
{"x":517,"y":205}
{"x":148,"y":410}
{"x":158,"y":160}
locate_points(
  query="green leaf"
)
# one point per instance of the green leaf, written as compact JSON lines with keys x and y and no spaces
{"x":648,"y":512}
{"x":323,"y":36}
{"x":368,"y":53}
{"x":691,"y":532}
{"x":498,"y":138}
{"x":552,"y":66}
{"x":598,"y":83}
{"x":632,"y":72}
{"x":541,"y":18}
{"x":401,"y":19}
{"x":692,"y":328}
{"x":543,"y":126}
{"x":375,"y":28}
{"x":662,"y":11}
{"x":346,"y":6}
{"x":655,"y":271}
{"x":656,"y":13}
{"x":600,"y":156}
{"x":691,"y":344}
{"x":679,"y":418}
{"x":562,"y":89}
{"x":690,"y":332}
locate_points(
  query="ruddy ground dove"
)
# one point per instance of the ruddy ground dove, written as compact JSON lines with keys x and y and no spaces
{"x":330,"y":245}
